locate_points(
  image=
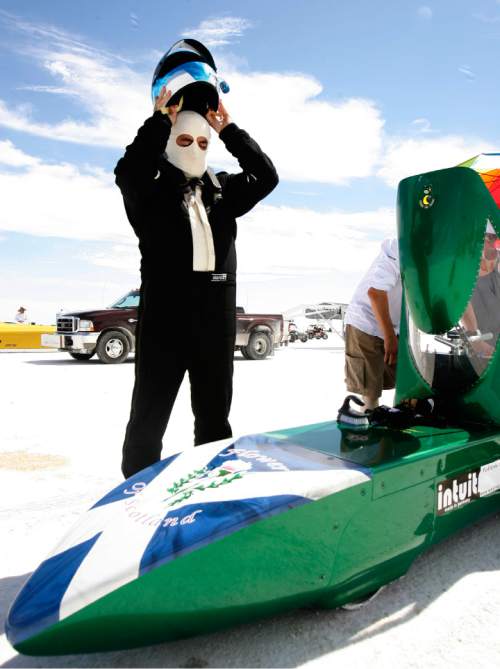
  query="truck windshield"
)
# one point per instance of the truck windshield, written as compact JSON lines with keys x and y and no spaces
{"x":128,"y":301}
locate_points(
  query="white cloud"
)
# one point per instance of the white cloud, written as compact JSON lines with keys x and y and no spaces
{"x":425,"y":12}
{"x":466,"y":70}
{"x":56,"y":90}
{"x":10,"y":155}
{"x":219,"y":31}
{"x":123,"y":257}
{"x":405,"y":157}
{"x":289,"y":256}
{"x":308,"y":138}
{"x":60,"y":201}
{"x":422,"y":125}
{"x":292,"y":241}
{"x":487,"y":19}
{"x":111,"y":96}
{"x":114,"y":109}
{"x":43,"y":34}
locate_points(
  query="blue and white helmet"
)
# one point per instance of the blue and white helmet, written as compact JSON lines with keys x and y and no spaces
{"x":189,"y":71}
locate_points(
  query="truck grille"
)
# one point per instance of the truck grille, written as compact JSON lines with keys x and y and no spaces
{"x":66,"y":324}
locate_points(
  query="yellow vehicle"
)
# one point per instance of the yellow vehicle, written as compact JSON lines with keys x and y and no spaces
{"x":19,"y":335}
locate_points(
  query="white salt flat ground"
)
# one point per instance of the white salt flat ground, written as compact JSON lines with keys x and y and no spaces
{"x":61,"y":429}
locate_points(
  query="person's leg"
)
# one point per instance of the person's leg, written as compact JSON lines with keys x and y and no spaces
{"x":364,"y":368}
{"x":370,"y":402}
{"x":210,"y":366}
{"x":211,"y":377}
{"x":156,"y":386}
{"x":160,"y":366}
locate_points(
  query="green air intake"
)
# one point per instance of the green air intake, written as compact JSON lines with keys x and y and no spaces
{"x":442,"y":218}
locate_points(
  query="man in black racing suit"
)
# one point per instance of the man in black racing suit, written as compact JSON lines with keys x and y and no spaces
{"x":184,"y":217}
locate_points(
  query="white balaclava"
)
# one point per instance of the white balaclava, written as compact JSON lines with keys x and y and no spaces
{"x":190,"y":159}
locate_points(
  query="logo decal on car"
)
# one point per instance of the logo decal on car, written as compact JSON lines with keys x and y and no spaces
{"x":460,"y":490}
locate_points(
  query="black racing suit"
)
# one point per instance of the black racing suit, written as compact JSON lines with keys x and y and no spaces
{"x":187,"y":319}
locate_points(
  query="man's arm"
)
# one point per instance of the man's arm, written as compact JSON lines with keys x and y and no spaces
{"x":139,"y":166}
{"x":136,"y":171}
{"x":469,"y":320}
{"x":380,"y":305}
{"x":259,"y":177}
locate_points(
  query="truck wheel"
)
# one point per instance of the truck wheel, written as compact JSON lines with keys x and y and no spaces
{"x":113,"y":347}
{"x":259,"y":346}
{"x":82,"y":356}
{"x":303,"y":338}
{"x":244,"y":352}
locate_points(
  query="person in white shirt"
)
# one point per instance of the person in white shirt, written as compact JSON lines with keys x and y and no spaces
{"x":21,"y":316}
{"x":372,"y":328}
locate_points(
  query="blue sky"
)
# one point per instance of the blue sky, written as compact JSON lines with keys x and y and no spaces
{"x":346,"y":97}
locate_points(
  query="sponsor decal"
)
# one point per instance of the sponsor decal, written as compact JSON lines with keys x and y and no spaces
{"x":230,"y":465}
{"x":181,"y":490}
{"x":203,"y":479}
{"x":258,"y":456}
{"x":427,"y":199}
{"x":489,"y":478}
{"x":159,"y":520}
{"x":454,"y":493}
{"x":219,"y":277}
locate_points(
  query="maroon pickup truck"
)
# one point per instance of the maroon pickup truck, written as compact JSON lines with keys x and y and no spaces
{"x":110,"y":333}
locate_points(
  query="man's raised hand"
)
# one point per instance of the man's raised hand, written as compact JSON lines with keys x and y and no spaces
{"x":161,"y":105}
{"x":219,"y":119}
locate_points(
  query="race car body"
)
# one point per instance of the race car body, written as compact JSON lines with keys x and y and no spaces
{"x":23,"y":336}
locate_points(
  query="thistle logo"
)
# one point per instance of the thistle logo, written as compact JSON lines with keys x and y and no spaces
{"x":203,"y":479}
{"x":427,"y":199}
{"x":454,"y":493}
{"x":179,"y":492}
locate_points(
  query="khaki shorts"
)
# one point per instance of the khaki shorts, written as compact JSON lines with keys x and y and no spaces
{"x":366,"y":373}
